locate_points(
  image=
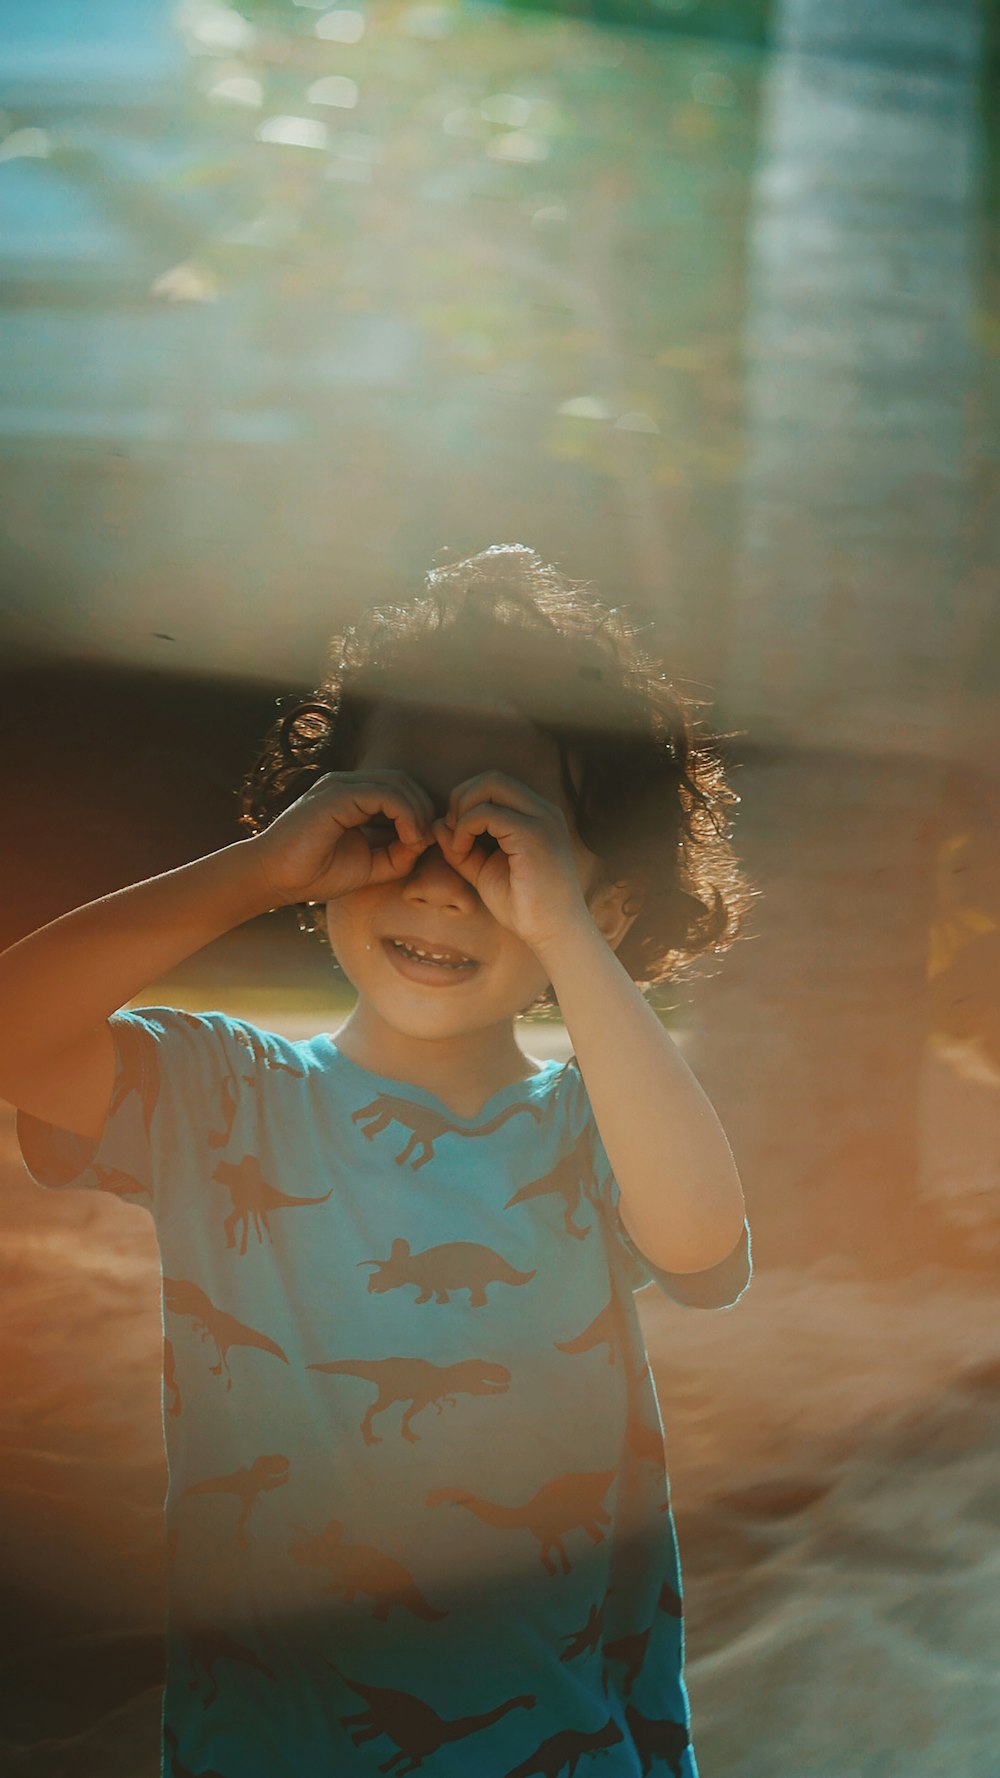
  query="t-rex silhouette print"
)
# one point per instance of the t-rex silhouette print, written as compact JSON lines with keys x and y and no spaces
{"x":182,"y":1297}
{"x":207,"y":1646}
{"x":565,"y":1180}
{"x":567,"y":1748}
{"x":360,"y":1568}
{"x":419,"y":1382}
{"x":170,"y":1384}
{"x":566,"y":1503}
{"x":587,"y":1640}
{"x":455,"y":1265}
{"x":248,"y":1485}
{"x":261,"y":1052}
{"x":416,"y":1728}
{"x":177,"y":1768}
{"x":219,"y":1138}
{"x":658,"y":1738}
{"x":425,"y":1124}
{"x":252,"y":1196}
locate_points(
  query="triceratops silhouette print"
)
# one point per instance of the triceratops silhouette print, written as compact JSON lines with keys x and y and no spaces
{"x":419,"y":1382}
{"x":360,"y":1568}
{"x":566,"y":1503}
{"x":425,"y":1124}
{"x":454,"y":1265}
{"x":567,"y":1748}
{"x":252,"y":1196}
{"x":182,"y":1297}
{"x":658,"y":1738}
{"x":248,"y":1485}
{"x":412,"y":1724}
{"x":566,"y":1180}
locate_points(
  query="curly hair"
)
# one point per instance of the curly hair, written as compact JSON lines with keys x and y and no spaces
{"x":652,"y":796}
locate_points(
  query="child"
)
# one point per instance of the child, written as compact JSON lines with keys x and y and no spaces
{"x":418,"y":1515}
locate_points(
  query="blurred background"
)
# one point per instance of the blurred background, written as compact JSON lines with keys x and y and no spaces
{"x":701,"y":300}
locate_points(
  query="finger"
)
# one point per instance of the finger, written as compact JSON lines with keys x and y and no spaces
{"x":400,"y":804}
{"x":423,"y":802}
{"x":443,"y":831}
{"x":391,"y":862}
{"x":466,"y":858}
{"x":496,"y":787}
{"x":509,"y":827}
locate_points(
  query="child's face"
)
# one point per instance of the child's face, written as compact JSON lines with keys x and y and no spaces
{"x":433,"y":902}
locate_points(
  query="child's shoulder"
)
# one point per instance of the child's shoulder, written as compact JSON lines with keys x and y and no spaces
{"x":175,"y":1030}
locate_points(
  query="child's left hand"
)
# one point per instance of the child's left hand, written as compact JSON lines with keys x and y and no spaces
{"x":530,"y":883}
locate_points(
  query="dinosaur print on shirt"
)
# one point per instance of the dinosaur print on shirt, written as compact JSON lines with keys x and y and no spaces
{"x":566,"y":1180}
{"x":417,"y":1381}
{"x":602,"y":1331}
{"x":247,"y":1485}
{"x":252,"y":1196}
{"x":358,"y":1569}
{"x":586,"y":1640}
{"x":417,"y":1516}
{"x":206,"y":1647}
{"x":562,"y":1505}
{"x":659,"y":1740}
{"x":564,"y":1750}
{"x":426,"y":1126}
{"x":438,"y":1271}
{"x":181,"y":1297}
{"x":417,"y":1730}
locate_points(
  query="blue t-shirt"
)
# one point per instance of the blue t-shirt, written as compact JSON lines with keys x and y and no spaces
{"x":418,"y":1515}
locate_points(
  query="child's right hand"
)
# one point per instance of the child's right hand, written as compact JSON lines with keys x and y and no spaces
{"x":349,"y":830}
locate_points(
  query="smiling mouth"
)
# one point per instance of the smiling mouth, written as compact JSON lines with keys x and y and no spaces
{"x":438,"y":956}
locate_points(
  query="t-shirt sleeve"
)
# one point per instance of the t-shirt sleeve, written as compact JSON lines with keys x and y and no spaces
{"x":169,"y":1072}
{"x":716,"y":1287}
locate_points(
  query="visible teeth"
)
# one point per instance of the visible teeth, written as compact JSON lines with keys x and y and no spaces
{"x":431,"y":956}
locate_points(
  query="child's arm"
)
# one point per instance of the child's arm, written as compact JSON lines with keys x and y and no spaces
{"x":681,"y":1198}
{"x":59,"y":985}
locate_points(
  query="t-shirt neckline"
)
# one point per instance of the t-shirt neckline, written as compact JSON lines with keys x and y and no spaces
{"x":404,"y":1089}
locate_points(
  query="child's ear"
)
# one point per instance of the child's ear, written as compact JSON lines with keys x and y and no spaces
{"x":607,"y":907}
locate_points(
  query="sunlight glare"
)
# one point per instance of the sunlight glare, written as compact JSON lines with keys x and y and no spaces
{"x":334,"y":89}
{"x":294,"y":132}
{"x":342,"y":26}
